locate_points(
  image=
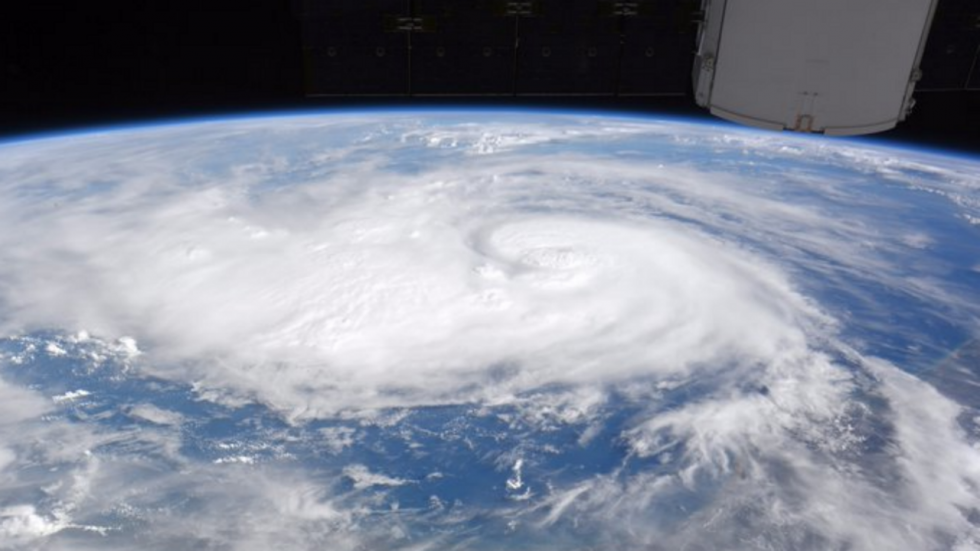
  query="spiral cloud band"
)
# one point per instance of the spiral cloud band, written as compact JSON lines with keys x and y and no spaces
{"x":545,"y":273}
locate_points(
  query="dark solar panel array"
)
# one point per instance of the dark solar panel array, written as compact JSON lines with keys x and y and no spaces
{"x":549,"y":47}
{"x":501,"y":47}
{"x":952,"y":57}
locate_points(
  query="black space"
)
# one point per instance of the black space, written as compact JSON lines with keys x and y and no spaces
{"x":66,"y":65}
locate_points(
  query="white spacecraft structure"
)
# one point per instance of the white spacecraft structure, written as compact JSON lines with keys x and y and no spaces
{"x":837,"y":67}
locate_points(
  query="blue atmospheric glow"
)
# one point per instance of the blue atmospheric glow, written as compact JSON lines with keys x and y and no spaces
{"x":479,"y":111}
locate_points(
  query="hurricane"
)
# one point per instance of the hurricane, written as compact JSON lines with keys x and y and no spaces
{"x":486,"y":330}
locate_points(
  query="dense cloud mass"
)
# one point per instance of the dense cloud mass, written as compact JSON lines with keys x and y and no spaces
{"x":749,"y":325}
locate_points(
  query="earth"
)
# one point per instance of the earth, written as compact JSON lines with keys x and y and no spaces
{"x":486,"y":330}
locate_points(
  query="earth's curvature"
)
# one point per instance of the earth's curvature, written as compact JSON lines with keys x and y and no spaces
{"x":486,"y":330}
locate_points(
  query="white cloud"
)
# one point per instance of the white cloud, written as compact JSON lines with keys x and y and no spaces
{"x":322,"y":281}
{"x":336,"y":439}
{"x":394,"y":273}
{"x":153,"y":414}
{"x":23,"y":524}
{"x":362,"y":477}
{"x":71,"y":396}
